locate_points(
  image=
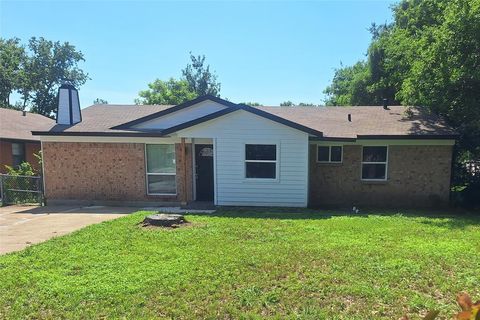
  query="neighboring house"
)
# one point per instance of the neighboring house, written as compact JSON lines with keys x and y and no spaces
{"x":209,"y":149}
{"x":17,"y":144}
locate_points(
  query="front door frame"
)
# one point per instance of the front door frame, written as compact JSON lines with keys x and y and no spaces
{"x":211,"y":142}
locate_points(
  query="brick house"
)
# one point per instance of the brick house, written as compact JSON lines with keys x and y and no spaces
{"x":209,"y":149}
{"x":17,"y":144}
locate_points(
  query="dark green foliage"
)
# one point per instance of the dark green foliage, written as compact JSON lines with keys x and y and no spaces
{"x":252,"y":104}
{"x":100,"y":101}
{"x":12,"y":64}
{"x":36,"y":71}
{"x":20,"y":178}
{"x":301,"y":104}
{"x":197,"y":80}
{"x":287,"y":104}
{"x":199,"y":77}
{"x":429,"y":56}
{"x":166,"y":92}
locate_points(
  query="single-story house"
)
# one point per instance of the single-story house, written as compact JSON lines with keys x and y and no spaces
{"x":210,"y":149}
{"x":17,"y":144}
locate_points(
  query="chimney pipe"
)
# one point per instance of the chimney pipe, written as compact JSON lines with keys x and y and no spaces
{"x":24,"y":113}
{"x":349,"y":117}
{"x":385,"y":104}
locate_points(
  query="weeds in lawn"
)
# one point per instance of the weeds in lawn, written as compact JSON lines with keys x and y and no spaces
{"x":470,"y":310}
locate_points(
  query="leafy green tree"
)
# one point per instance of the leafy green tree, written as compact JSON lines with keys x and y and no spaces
{"x":287,"y":104}
{"x":199,"y":77}
{"x":428,"y":56}
{"x":51,"y":64}
{"x":197,"y":80}
{"x":12,"y":61}
{"x":100,"y":101}
{"x":252,"y":104}
{"x":166,"y":92}
{"x":36,"y":72}
{"x":307,"y":104}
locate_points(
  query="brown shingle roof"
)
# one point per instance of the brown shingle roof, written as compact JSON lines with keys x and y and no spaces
{"x":13,"y":125}
{"x":332,"y":121}
{"x":366,"y":121}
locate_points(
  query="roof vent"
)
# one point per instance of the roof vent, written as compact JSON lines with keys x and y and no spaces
{"x":24,"y":113}
{"x":349,"y":117}
{"x":385,"y":104}
{"x":68,"y":105}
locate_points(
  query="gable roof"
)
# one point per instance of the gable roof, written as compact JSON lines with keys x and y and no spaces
{"x":16,"y":126}
{"x":327,"y":123}
{"x":368,"y":122}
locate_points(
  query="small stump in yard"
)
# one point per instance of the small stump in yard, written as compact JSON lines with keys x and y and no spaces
{"x":164,"y":220}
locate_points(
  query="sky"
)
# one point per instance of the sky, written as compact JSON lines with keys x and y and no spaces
{"x":265,"y":52}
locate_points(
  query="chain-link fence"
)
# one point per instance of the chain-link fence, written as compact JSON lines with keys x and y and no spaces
{"x":21,"y":189}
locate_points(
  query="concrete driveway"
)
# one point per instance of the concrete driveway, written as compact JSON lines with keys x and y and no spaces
{"x":21,"y":226}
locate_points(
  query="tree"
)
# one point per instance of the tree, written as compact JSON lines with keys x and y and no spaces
{"x":36,"y":72}
{"x":100,"y":101}
{"x":287,"y":104}
{"x":12,"y":61}
{"x":428,"y":56}
{"x":197,"y":80}
{"x":51,"y":64}
{"x":199,"y":77}
{"x":252,"y":104}
{"x":166,"y":92}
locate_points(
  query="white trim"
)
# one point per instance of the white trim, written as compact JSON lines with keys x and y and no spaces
{"x":149,"y":140}
{"x":374,"y":162}
{"x":160,"y":174}
{"x":390,"y":142}
{"x":330,"y":154}
{"x":276,"y":161}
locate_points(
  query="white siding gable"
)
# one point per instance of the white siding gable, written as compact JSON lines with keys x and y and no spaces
{"x":193,"y":112}
{"x":230,"y":133}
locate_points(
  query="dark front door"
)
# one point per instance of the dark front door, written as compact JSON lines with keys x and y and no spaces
{"x":204,"y":172}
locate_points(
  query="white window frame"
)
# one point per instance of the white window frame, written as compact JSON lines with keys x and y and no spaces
{"x":277,"y":161}
{"x":330,"y":153}
{"x":159,"y":173}
{"x":375,"y":162}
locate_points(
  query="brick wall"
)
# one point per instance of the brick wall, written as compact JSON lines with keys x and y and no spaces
{"x":106,"y":172}
{"x":418,"y":176}
{"x":6,"y":154}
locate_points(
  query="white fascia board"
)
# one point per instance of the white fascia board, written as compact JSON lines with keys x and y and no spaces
{"x":390,"y":142}
{"x":99,"y":139}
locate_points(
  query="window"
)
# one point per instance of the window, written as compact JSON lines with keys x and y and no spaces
{"x":329,"y":154}
{"x":161,"y":169}
{"x":18,"y":154}
{"x":261,"y":161}
{"x":374,"y":163}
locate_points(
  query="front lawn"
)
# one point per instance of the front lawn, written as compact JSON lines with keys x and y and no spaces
{"x":247,"y":264}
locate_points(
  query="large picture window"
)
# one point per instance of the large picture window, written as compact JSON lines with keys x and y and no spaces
{"x":161,"y":169}
{"x":261,"y":161}
{"x":374,"y":163}
{"x":329,"y":154}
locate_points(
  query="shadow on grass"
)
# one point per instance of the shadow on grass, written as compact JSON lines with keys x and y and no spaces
{"x":448,"y":219}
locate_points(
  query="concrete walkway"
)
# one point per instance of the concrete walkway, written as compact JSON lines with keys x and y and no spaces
{"x":21,"y":226}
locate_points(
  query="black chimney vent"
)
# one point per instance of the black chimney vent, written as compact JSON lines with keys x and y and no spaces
{"x":385,"y":104}
{"x":349,"y":117}
{"x":24,"y":113}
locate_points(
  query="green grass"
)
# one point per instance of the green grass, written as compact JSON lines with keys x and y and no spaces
{"x":248,"y":264}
